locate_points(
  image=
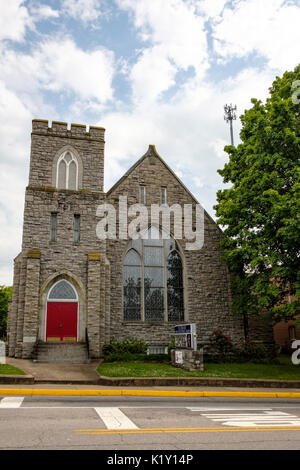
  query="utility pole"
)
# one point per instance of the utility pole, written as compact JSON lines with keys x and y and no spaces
{"x":229,"y":117}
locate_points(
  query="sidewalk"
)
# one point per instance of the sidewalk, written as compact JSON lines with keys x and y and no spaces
{"x":83,"y":379}
{"x":63,"y":373}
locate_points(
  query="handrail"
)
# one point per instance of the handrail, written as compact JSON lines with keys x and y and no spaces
{"x":87,"y":343}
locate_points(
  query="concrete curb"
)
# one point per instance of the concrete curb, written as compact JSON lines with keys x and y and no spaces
{"x":16,"y":379}
{"x":149,"y":393}
{"x":155,"y":382}
{"x":197,"y":382}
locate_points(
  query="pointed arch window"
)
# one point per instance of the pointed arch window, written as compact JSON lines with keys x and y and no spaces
{"x":132,"y":285}
{"x":153,"y":279}
{"x":67,"y":171}
{"x":62,"y":290}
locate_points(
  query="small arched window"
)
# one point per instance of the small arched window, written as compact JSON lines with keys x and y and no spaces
{"x":153,"y":279}
{"x":62,"y":290}
{"x":67,"y":172}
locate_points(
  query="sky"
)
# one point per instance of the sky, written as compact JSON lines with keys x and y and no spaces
{"x":149,"y":71}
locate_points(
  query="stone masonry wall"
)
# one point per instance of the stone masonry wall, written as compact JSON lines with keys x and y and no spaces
{"x":62,"y":256}
{"x":207,"y":281}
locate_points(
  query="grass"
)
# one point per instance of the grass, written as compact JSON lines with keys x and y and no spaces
{"x":282,"y":371}
{"x":6,"y":369}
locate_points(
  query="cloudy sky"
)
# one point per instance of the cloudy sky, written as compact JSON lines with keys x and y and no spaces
{"x":149,"y":71}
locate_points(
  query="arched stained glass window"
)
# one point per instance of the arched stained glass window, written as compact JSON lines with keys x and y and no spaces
{"x":132,"y":286}
{"x":67,"y":172}
{"x":62,"y":290}
{"x":157,"y":295}
{"x":175,"y":287}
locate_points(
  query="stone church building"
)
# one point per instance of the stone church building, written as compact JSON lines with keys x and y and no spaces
{"x":72,"y":289}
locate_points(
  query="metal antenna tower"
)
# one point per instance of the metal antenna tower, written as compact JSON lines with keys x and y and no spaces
{"x":229,"y":117}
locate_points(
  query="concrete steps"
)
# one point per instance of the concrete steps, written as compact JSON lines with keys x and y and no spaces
{"x":75,"y":353}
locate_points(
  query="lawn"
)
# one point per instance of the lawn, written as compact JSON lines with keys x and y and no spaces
{"x":10,"y":370}
{"x":152,"y":369}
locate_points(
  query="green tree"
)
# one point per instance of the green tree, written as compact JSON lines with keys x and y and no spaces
{"x":260,"y":212}
{"x":5,"y":296}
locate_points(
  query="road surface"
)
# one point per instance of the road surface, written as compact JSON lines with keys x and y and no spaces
{"x":136,"y":423}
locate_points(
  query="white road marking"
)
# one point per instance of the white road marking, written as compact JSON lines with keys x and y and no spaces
{"x":208,"y":408}
{"x":114,"y":418}
{"x":266,"y":418}
{"x":11,"y":402}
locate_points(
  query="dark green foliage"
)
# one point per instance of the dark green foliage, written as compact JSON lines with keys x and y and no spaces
{"x":171,"y":346}
{"x":128,"y":357}
{"x":221,"y":350}
{"x":261,"y":210}
{"x":5,"y":296}
{"x":128,"y":345}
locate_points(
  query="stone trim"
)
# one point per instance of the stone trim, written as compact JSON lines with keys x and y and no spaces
{"x":94,"y":256}
{"x":35,"y":254}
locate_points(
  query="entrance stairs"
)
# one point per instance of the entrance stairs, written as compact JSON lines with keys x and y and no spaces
{"x":75,"y":353}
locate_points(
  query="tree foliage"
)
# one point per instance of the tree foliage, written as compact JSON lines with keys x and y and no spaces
{"x":260,"y":212}
{"x":5,"y":296}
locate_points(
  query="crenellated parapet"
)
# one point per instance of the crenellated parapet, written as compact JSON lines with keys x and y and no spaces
{"x":60,"y":129}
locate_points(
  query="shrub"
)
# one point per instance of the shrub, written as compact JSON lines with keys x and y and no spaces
{"x":171,"y":346}
{"x":127,"y":357}
{"x":128,"y":345}
{"x":220,"y":344}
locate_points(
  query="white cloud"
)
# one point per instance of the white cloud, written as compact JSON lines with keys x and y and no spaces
{"x":15,"y":121}
{"x":173,"y":24}
{"x":270,"y":29}
{"x":83,"y":10}
{"x":43,"y":12}
{"x":177,"y":40}
{"x":210,"y":8}
{"x":60,"y":66}
{"x":14,"y":19}
{"x":152,"y":74}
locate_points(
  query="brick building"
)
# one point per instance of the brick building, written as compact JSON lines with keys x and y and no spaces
{"x":72,"y":288}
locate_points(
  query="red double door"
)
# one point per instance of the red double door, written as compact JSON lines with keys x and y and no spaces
{"x":61,"y":321}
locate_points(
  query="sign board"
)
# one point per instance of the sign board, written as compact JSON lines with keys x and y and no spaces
{"x":178,"y":357}
{"x":185,"y":336}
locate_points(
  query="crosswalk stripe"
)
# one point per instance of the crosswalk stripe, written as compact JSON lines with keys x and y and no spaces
{"x":11,"y":402}
{"x":271,"y":418}
{"x":114,"y":418}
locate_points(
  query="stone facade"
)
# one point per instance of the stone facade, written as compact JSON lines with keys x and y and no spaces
{"x":94,"y":267}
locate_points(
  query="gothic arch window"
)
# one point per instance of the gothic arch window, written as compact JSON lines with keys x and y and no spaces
{"x":153,"y":279}
{"x":62,"y":290}
{"x":67,"y":171}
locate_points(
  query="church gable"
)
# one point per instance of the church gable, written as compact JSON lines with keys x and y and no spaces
{"x":152,"y":172}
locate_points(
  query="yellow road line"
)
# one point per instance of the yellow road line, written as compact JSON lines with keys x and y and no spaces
{"x":183,"y":430}
{"x":150,"y":393}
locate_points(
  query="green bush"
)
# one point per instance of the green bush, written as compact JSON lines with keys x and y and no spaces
{"x":220,"y":344}
{"x":171,"y":346}
{"x":128,"y":357}
{"x":221,"y":350}
{"x":5,"y":296}
{"x":128,"y":345}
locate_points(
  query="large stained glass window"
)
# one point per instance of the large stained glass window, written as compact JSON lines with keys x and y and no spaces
{"x":132,"y":286}
{"x":153,"y":279}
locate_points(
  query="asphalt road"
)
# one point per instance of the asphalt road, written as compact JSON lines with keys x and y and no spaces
{"x":136,"y":423}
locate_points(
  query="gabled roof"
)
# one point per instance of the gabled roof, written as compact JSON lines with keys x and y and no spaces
{"x":152,"y":152}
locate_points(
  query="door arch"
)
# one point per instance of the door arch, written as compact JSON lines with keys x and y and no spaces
{"x":62,"y":313}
